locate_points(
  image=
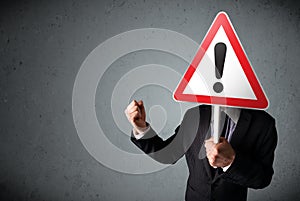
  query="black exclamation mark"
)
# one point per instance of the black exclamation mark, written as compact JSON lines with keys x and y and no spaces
{"x":220,"y":53}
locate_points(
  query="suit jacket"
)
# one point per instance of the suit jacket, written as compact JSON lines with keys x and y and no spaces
{"x":254,"y":140}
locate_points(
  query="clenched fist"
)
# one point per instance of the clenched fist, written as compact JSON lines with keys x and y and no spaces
{"x":219,"y":155}
{"x":136,"y":115}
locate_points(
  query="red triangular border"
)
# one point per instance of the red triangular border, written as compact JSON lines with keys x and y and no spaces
{"x":260,"y":103}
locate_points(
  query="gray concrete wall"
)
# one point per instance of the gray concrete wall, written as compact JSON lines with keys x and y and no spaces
{"x":42,"y":46}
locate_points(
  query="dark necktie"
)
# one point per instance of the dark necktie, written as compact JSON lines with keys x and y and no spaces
{"x":226,"y":127}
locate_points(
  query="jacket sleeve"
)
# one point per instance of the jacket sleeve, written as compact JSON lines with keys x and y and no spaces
{"x":171,"y":150}
{"x":255,"y":172}
{"x":157,"y":148}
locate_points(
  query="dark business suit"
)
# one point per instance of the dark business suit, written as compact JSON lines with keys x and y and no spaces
{"x":254,"y":140}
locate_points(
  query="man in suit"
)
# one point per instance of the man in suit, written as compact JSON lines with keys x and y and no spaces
{"x":242,"y":159}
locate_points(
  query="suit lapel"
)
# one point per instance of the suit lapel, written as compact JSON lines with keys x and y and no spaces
{"x":205,"y":118}
{"x":241,"y":128}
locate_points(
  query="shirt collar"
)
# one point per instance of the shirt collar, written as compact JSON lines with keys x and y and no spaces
{"x":233,"y":113}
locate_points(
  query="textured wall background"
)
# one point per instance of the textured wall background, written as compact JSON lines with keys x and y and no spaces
{"x":42,"y":46}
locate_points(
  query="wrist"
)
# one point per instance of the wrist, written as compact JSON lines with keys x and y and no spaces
{"x":141,"y":129}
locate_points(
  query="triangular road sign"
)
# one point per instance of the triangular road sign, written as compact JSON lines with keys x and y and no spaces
{"x":220,"y":73}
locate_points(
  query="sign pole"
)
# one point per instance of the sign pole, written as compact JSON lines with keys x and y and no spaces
{"x":216,"y":133}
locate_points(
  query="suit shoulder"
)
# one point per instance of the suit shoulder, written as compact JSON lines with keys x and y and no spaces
{"x":261,"y":115}
{"x":197,"y":108}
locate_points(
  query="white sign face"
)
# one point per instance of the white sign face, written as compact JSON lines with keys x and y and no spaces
{"x":204,"y":77}
{"x":220,"y":73}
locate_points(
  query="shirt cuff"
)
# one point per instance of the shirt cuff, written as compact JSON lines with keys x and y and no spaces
{"x":141,"y":133}
{"x":226,"y":168}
